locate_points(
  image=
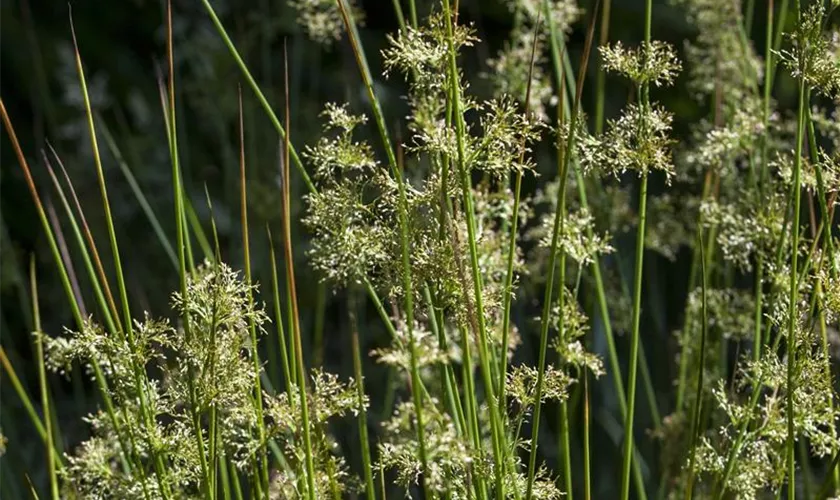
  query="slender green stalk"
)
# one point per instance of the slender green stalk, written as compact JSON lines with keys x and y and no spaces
{"x":748,"y":18}
{"x":447,"y":373}
{"x":601,"y":78}
{"x":27,"y":405}
{"x":823,"y":205}
{"x":126,"y":311}
{"x":172,"y":137}
{"x":483,"y":350}
{"x":688,"y":320}
{"x":587,"y":468}
{"x":565,"y":158}
{"x":246,"y":247}
{"x":398,"y":11}
{"x":511,"y":254}
{"x":311,"y":494}
{"x":698,"y":395}
{"x":565,"y":446}
{"x":508,"y":287}
{"x":281,"y":335}
{"x":213,"y":432}
{"x":769,"y":65}
{"x":405,"y":244}
{"x":412,"y":12}
{"x":138,"y":193}
{"x":362,"y":420}
{"x":634,"y":342}
{"x":256,"y":88}
{"x":794,"y":295}
{"x":637,"y":296}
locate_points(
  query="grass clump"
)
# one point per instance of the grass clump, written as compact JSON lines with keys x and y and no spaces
{"x":503,"y":238}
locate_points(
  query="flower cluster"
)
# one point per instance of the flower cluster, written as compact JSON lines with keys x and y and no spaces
{"x":322,"y":19}
{"x":813,"y":55}
{"x":718,"y":59}
{"x":639,"y":140}
{"x":655,"y":63}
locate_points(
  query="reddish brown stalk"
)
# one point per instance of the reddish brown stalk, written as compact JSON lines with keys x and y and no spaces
{"x":88,"y":236}
{"x":65,"y":256}
{"x":292,"y":287}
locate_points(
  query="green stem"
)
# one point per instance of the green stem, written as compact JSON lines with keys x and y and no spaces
{"x":292,"y":299}
{"x":637,"y":293}
{"x":252,"y":329}
{"x":42,"y":382}
{"x":587,"y":468}
{"x":256,"y":89}
{"x":634,"y":342}
{"x":281,"y":335}
{"x":698,"y":395}
{"x":466,"y":191}
{"x":601,"y":78}
{"x":794,"y":295}
{"x":360,"y":395}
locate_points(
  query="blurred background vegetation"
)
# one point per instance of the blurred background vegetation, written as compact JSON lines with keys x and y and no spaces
{"x":123,"y":49}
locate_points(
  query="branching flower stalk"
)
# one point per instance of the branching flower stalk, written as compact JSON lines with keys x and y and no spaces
{"x":404,"y":239}
{"x":466,"y":189}
{"x":172,"y":136}
{"x":559,"y":217}
{"x":647,"y":57}
{"x":560,"y":61}
{"x":517,"y":193}
{"x":794,"y":287}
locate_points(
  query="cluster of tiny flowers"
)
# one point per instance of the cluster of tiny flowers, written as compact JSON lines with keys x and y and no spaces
{"x":718,"y":59}
{"x":823,"y":174}
{"x":672,"y":223}
{"x":352,"y":215}
{"x":522,"y":382}
{"x":730,"y":312}
{"x":639,"y":140}
{"x":512,"y":72}
{"x":450,"y":459}
{"x":328,"y":398}
{"x":745,"y":230}
{"x":653,"y":63}
{"x":723,"y":147}
{"x":213,"y":372}
{"x":813,"y":55}
{"x":420,"y":54}
{"x":426,"y":347}
{"x":577,"y":238}
{"x":322,"y":19}
{"x":759,"y":462}
{"x":564,"y":13}
{"x":572,"y":324}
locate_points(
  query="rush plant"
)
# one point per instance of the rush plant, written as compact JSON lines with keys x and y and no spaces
{"x":503,"y":237}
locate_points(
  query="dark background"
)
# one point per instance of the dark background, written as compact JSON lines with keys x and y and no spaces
{"x":122,"y":46}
